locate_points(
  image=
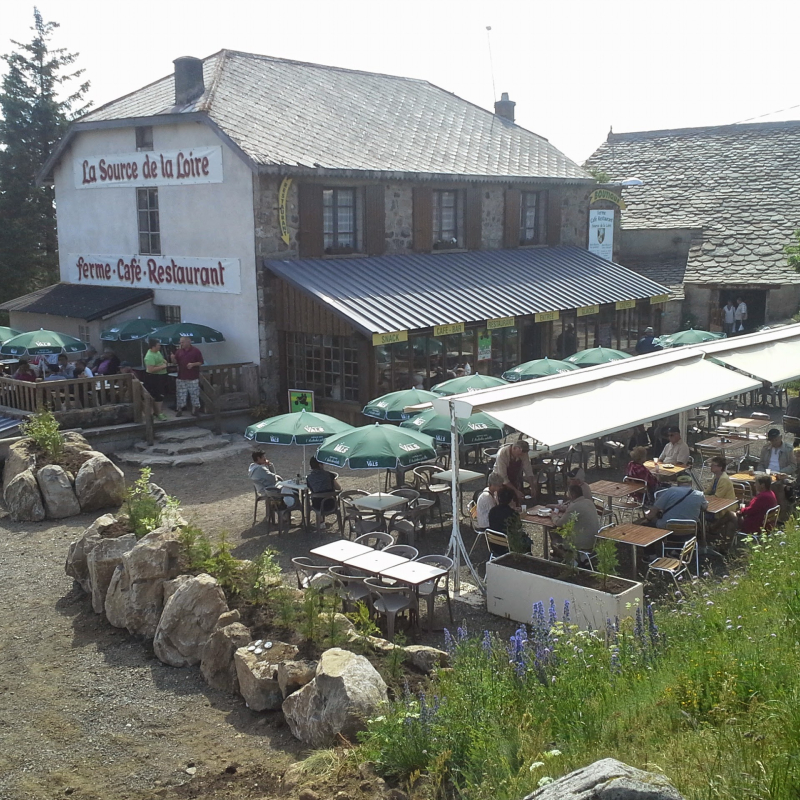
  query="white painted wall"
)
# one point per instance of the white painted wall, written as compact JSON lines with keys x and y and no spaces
{"x":209,"y":220}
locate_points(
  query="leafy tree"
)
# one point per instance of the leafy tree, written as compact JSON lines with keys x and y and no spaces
{"x":35,"y":114}
{"x":793,"y":252}
{"x":598,"y":174}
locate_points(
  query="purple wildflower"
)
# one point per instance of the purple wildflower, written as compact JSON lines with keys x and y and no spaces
{"x":486,"y":644}
{"x":566,"y":612}
{"x":553,"y":614}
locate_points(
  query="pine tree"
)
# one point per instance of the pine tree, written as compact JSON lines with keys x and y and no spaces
{"x":35,"y":116}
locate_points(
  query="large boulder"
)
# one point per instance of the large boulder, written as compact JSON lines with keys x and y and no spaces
{"x":20,"y":457}
{"x":294,"y":675}
{"x":258,"y":674}
{"x":75,"y":443}
{"x":217,"y":666}
{"x":188,"y":620}
{"x":425,"y":659}
{"x":101,"y":562}
{"x":23,"y":498}
{"x":59,"y":498}
{"x":346,"y":690}
{"x":608,"y":779}
{"x":99,"y":483}
{"x":76,"y":565}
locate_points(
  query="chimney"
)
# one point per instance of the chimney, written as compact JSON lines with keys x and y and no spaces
{"x":504,"y":107}
{"x":188,"y":79}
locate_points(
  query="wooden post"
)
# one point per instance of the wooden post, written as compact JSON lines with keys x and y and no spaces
{"x":136,"y":397}
{"x":147,"y":411}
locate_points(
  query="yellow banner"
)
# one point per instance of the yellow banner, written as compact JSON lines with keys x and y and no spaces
{"x":448,"y":330}
{"x":622,"y":304}
{"x":389,"y":338}
{"x":500,"y":322}
{"x":659,"y":298}
{"x":586,"y":311}
{"x":605,"y":194}
{"x":546,"y":316}
{"x":283,"y":195}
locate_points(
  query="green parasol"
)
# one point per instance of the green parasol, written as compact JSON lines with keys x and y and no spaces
{"x":171,"y":334}
{"x":466,"y":383}
{"x":377,"y":447}
{"x":479,"y":428}
{"x":391,"y":406}
{"x":131,"y":330}
{"x":596,"y":355}
{"x":537,"y":368}
{"x":300,"y":427}
{"x":42,"y":343}
{"x":8,"y":333}
{"x":688,"y":337}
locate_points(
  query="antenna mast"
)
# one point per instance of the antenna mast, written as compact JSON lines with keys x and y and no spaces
{"x":491,"y":60}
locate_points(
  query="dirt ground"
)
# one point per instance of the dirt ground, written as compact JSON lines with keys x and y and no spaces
{"x":87,"y":711}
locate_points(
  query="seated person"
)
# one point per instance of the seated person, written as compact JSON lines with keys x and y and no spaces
{"x":24,"y":372}
{"x":262,"y":473}
{"x":677,"y":451}
{"x":751,"y":517}
{"x":582,"y":511}
{"x":107,"y":364}
{"x":638,"y":437}
{"x":487,"y":500}
{"x":678,"y":502}
{"x":577,"y":477}
{"x":500,"y":514}
{"x":777,"y":455}
{"x":636,"y":469}
{"x":66,"y":368}
{"x":647,"y":343}
{"x":53,"y":373}
{"x":81,"y":370}
{"x":320,"y":480}
{"x":720,"y":485}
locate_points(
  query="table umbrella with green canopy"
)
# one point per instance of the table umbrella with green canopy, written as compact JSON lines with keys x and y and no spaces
{"x":42,"y":343}
{"x":377,"y":447}
{"x":478,"y":428}
{"x":466,"y":383}
{"x":690,"y":336}
{"x":171,"y":334}
{"x":8,"y":333}
{"x":131,"y":330}
{"x":299,"y":427}
{"x":391,"y":406}
{"x":537,"y":368}
{"x":596,"y":355}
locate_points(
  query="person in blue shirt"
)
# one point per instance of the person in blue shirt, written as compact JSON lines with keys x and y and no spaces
{"x":647,"y":343}
{"x":678,"y":502}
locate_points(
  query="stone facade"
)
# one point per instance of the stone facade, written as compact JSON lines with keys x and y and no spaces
{"x":493,"y":208}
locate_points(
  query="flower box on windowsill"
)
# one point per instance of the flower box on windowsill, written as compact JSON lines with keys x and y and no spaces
{"x":447,"y":246}
{"x":516,"y":581}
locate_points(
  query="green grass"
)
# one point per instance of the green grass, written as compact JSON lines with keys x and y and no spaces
{"x":707,"y":692}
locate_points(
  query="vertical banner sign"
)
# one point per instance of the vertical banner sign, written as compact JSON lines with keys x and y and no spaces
{"x":484,"y":346}
{"x":301,"y":399}
{"x":283,"y":196}
{"x":601,"y":233}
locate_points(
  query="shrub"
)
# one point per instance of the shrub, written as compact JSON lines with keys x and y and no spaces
{"x":45,"y":431}
{"x":144,"y":512}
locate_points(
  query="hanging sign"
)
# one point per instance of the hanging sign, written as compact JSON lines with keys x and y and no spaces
{"x":601,"y":233}
{"x":389,"y":338}
{"x":501,"y":322}
{"x":659,"y":298}
{"x":546,"y":316}
{"x":484,"y":346}
{"x":586,"y":311}
{"x":605,"y":194}
{"x":283,"y":196}
{"x":620,"y":305}
{"x":448,"y":330}
{"x":301,"y":399}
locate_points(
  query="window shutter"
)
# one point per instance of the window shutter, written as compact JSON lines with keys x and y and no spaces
{"x":374,"y":220}
{"x":423,"y":219}
{"x":553,"y":217}
{"x":473,"y":218}
{"x":310,"y":236}
{"x":511,"y":232}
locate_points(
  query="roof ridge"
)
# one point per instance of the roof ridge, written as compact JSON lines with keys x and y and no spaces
{"x":736,"y":127}
{"x":222,"y":58}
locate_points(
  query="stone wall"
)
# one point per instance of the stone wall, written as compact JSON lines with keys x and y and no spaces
{"x":575,"y":216}
{"x":493,"y":207}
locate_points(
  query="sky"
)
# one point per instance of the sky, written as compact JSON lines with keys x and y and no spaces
{"x":574,"y":67}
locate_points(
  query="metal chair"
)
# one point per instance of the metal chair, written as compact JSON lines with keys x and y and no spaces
{"x":497,"y":543}
{"x":792,"y":425}
{"x":430,"y":590}
{"x":770,"y":521}
{"x":675,"y":567}
{"x":391,"y":600}
{"x":743,"y":491}
{"x":631,"y":506}
{"x":681,"y":530}
{"x":378,"y":540}
{"x":404,"y":550}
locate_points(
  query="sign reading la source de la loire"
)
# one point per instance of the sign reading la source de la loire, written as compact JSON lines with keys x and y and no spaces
{"x":158,"y":272}
{"x":150,"y":168}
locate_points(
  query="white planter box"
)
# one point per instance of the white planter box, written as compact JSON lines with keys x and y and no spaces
{"x":512,"y":588}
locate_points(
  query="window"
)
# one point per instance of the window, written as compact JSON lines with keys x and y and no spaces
{"x":446,"y":220}
{"x":339,"y":221}
{"x":326,"y":364}
{"x":149,"y":226}
{"x":532,"y":217}
{"x":144,"y":137}
{"x":83,"y":334}
{"x":171,"y":314}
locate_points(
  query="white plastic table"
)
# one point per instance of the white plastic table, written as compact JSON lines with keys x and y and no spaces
{"x":376,"y":561}
{"x":379,"y":501}
{"x":464,"y":475}
{"x":341,"y":550}
{"x":413,"y":573}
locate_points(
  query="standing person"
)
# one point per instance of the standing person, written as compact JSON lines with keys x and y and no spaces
{"x":320,"y":480}
{"x":155,"y":379}
{"x":740,"y":315}
{"x":647,"y":343}
{"x":567,"y":342}
{"x":189,"y":360}
{"x":512,"y":465}
{"x":487,"y":500}
{"x":728,"y":317}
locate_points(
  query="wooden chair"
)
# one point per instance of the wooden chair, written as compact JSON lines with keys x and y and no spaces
{"x":675,"y":567}
{"x":743,"y":491}
{"x":497,"y":543}
{"x":391,"y":600}
{"x":430,"y":590}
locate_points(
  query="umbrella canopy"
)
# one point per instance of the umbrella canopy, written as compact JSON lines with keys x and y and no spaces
{"x":596,"y":355}
{"x":377,"y":447}
{"x":688,"y":337}
{"x":466,"y":383}
{"x":42,"y":343}
{"x":538,"y":368}
{"x":390,"y":406}
{"x":300,"y":427}
{"x":478,"y":428}
{"x":131,"y":329}
{"x":171,"y":334}
{"x":8,"y":333}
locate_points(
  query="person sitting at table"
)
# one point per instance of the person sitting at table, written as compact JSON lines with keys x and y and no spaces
{"x":678,"y":502}
{"x":107,"y":364}
{"x":66,"y":368}
{"x":721,"y":485}
{"x":53,"y":373}
{"x":513,"y":464}
{"x":636,"y":469}
{"x":777,"y":455}
{"x":262,"y":473}
{"x":81,"y":370}
{"x":577,"y":477}
{"x":638,"y":437}
{"x":500,"y":514}
{"x":24,"y":372}
{"x":582,"y":511}
{"x":320,"y":480}
{"x":487,"y":500}
{"x":677,"y":451}
{"x":751,"y":517}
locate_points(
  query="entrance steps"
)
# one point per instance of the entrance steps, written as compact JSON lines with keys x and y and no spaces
{"x":184,"y":447}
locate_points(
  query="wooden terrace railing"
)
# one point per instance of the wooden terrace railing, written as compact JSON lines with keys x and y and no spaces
{"x":66,"y":395}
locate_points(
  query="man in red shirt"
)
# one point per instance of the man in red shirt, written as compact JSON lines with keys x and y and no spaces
{"x":189,"y":360}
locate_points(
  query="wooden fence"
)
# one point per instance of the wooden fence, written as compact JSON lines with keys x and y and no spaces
{"x":66,"y":395}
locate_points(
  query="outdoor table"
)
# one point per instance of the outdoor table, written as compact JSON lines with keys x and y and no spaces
{"x":746,"y":477}
{"x":716,"y":507}
{"x":635,"y":536}
{"x":375,"y":562}
{"x":302,"y":490}
{"x":464,"y":476}
{"x":746,"y":424}
{"x":614,"y":489}
{"x":340,"y":550}
{"x":727,"y":444}
{"x":414,"y":574}
{"x":662,"y":471}
{"x":378,"y":502}
{"x":545,"y":522}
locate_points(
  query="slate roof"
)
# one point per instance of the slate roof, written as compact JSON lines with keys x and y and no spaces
{"x":380,"y":294}
{"x":79,"y":301}
{"x":669,"y":270}
{"x":292,"y":115}
{"x":739,"y":183}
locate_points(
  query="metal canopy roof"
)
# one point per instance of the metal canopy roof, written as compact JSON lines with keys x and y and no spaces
{"x":380,"y":294}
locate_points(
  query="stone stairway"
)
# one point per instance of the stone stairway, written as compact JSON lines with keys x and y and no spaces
{"x":184,"y":447}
